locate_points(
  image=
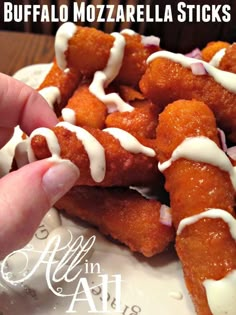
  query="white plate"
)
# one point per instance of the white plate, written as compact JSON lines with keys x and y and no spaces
{"x":148,"y":286}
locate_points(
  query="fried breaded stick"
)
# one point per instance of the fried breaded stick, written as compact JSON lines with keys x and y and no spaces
{"x":228,"y":61}
{"x":123,"y":214}
{"x":89,"y":49}
{"x":134,"y":62}
{"x":205,"y":246}
{"x":212,"y":48}
{"x":102,"y":159}
{"x":166,"y":81}
{"x":87,"y":109}
{"x":142,"y":121}
{"x":66,"y":82}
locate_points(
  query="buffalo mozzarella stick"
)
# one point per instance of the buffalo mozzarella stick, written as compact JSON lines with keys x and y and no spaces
{"x":108,"y":157}
{"x":143,"y":225}
{"x":201,"y":181}
{"x":170,"y":77}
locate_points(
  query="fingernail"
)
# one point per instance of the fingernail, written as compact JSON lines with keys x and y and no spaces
{"x":58,"y":179}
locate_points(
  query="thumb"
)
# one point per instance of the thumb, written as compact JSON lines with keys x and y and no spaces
{"x":25,"y":197}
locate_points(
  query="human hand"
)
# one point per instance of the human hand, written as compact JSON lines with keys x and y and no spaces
{"x":27,"y":194}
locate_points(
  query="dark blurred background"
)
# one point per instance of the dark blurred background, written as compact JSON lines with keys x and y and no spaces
{"x":175,"y":36}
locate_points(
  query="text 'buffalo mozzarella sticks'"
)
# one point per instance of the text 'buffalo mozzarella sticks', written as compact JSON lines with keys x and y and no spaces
{"x":108,"y":157}
{"x":201,"y":182}
{"x":123,"y":214}
{"x":171,"y":76}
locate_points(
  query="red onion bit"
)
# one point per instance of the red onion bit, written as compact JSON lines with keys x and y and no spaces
{"x":231,"y":152}
{"x":196,"y":53}
{"x":198,"y":68}
{"x":165,"y":215}
{"x":222,"y":139}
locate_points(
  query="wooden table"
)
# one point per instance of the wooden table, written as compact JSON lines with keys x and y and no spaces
{"x":22,"y":49}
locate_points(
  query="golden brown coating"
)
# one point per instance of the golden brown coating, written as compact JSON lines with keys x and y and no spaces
{"x":122,"y":167}
{"x":66,"y":82}
{"x":129,"y":94}
{"x":205,"y":248}
{"x":166,"y":81}
{"x":134,"y":62}
{"x":191,"y":118}
{"x":207,"y":251}
{"x":228,"y":62}
{"x":89,"y":51}
{"x":123,"y":214}
{"x":212,"y":48}
{"x":142,"y":121}
{"x":89,"y":110}
{"x":179,"y":120}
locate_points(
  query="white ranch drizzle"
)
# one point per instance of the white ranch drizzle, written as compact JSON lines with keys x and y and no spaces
{"x":51,"y":94}
{"x":69,"y":115}
{"x":52,"y":142}
{"x":103,"y":78}
{"x":94,"y":149}
{"x":128,"y":31}
{"x":129,"y":142}
{"x":63,"y":35}
{"x":202,"y":149}
{"x":216,"y":59}
{"x":176,"y":295}
{"x":224,"y":78}
{"x":150,"y":40}
{"x":221,"y":294}
{"x":146,"y":40}
{"x":213,"y":214}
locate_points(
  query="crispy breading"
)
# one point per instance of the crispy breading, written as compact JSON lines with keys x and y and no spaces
{"x":134,"y":62}
{"x":123,"y":168}
{"x":142,"y":121}
{"x":129,"y":94}
{"x":89,"y":50}
{"x":212,"y":48}
{"x":123,"y":214}
{"x":89,"y":110}
{"x":166,"y":81}
{"x":66,"y":82}
{"x":228,"y":61}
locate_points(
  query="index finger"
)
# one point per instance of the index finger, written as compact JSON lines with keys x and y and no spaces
{"x":22,"y":105}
